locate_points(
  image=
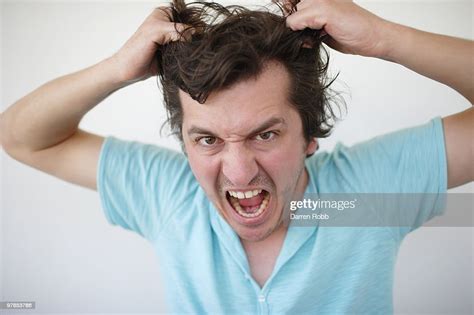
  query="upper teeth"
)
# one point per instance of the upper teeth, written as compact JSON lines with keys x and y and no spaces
{"x":244,"y":194}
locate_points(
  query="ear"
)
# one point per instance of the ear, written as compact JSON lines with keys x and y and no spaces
{"x":312,"y":147}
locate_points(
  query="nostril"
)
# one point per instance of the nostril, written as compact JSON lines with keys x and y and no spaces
{"x":240,"y":177}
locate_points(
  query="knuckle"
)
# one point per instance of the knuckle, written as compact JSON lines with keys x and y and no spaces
{"x":162,"y":13}
{"x":161,"y":9}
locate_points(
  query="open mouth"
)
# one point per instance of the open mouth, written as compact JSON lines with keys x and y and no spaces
{"x":249,"y":204}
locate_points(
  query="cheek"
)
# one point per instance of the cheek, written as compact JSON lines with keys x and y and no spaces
{"x":283,"y":164}
{"x":204,"y":169}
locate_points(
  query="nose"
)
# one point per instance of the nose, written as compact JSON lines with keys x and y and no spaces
{"x":239,"y":164}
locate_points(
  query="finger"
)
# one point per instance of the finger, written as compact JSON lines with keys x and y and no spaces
{"x":333,"y":44}
{"x":304,"y":5}
{"x":186,"y":32}
{"x":162,"y":13}
{"x":167,"y":31}
{"x":304,"y":18}
{"x":175,"y":32}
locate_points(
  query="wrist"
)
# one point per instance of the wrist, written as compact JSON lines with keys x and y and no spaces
{"x":111,"y":70}
{"x":394,"y":39}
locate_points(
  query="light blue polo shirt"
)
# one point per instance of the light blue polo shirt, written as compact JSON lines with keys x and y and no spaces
{"x":320,"y":270}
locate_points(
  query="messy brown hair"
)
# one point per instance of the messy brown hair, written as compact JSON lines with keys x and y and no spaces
{"x":231,"y":44}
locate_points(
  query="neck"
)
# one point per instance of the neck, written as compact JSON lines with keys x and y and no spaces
{"x":276,"y":238}
{"x":301,"y":184}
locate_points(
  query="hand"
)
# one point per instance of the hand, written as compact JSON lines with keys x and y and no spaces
{"x":351,"y":29}
{"x":136,"y":61}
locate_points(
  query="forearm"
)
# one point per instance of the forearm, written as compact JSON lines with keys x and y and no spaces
{"x":442,"y":58}
{"x":51,"y":113}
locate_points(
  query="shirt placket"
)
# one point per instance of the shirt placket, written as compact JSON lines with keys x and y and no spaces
{"x":263,"y":303}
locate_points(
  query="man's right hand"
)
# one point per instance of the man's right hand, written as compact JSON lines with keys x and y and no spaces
{"x":41,"y":129}
{"x":135,"y":61}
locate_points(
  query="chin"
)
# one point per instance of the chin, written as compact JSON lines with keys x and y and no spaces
{"x":254,"y":222}
{"x":258,"y":227}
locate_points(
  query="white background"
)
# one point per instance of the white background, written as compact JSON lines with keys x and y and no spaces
{"x":57,"y":248}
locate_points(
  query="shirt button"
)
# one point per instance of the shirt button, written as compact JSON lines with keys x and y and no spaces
{"x":261,"y":298}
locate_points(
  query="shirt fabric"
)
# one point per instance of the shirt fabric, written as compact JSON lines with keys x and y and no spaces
{"x":320,"y":270}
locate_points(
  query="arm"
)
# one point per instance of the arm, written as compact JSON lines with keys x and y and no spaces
{"x":442,"y":58}
{"x":51,"y":114}
{"x":448,"y":60}
{"x":41,"y":129}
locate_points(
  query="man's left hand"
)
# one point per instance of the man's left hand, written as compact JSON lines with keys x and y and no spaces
{"x":351,"y":29}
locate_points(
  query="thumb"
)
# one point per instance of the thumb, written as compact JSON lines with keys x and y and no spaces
{"x":328,"y":40}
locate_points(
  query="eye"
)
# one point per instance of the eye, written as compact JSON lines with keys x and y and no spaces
{"x":207,"y":141}
{"x":266,"y":136}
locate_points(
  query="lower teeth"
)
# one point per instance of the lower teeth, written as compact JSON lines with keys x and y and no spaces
{"x":239,"y":210}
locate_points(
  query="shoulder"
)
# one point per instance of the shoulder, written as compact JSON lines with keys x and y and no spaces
{"x":389,"y":162}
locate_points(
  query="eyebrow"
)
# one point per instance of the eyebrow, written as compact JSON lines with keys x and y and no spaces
{"x":265,"y":125}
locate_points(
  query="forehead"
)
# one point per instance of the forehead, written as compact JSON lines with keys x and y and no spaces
{"x":242,"y":106}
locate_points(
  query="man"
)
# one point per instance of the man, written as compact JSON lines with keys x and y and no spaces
{"x":222,"y":259}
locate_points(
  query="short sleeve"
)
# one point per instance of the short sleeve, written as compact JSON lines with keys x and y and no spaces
{"x":140,"y":184}
{"x":408,"y":161}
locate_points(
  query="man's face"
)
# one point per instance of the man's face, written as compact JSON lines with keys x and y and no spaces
{"x":246,"y":148}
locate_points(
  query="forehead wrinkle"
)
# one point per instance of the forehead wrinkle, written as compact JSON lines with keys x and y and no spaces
{"x":247,"y":124}
{"x":233,"y":112}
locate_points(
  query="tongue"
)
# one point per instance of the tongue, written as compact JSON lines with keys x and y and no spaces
{"x":251,"y":202}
